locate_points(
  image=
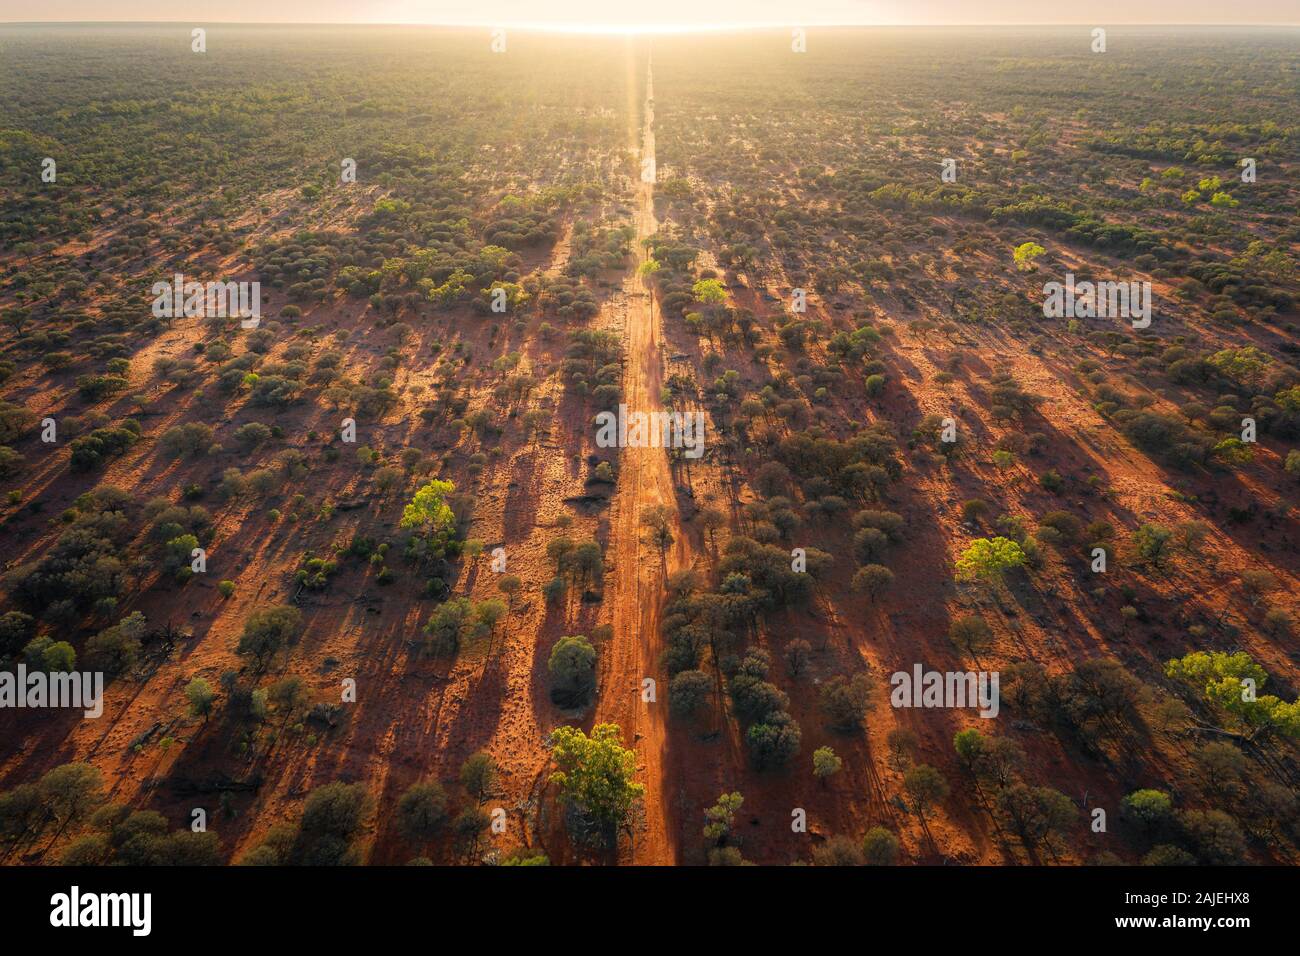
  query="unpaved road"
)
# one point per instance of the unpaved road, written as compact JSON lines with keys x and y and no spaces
{"x":645,"y":481}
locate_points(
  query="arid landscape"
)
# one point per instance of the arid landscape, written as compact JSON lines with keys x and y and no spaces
{"x":962,"y":527}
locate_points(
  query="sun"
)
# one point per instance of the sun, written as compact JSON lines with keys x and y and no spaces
{"x":631,"y":29}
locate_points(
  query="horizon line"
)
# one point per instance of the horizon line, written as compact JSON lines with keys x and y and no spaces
{"x":639,"y":28}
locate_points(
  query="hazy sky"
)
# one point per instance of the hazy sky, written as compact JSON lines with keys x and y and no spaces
{"x":663,"y":13}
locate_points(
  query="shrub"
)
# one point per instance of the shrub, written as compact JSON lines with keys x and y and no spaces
{"x":826,"y":763}
{"x":846,"y":700}
{"x":553,"y":591}
{"x":838,"y":851}
{"x":1149,"y":809}
{"x":421,"y":811}
{"x":880,"y":847}
{"x":970,"y":633}
{"x":199,"y":695}
{"x":873,"y":580}
{"x":925,"y":787}
{"x":116,"y":649}
{"x":91,"y":451}
{"x":689,"y":692}
{"x":251,"y":435}
{"x":16,"y":629}
{"x":478,"y":775}
{"x":267,"y":630}
{"x":1216,"y":836}
{"x":572,"y":667}
{"x":594,"y":775}
{"x":990,"y":558}
{"x":774,"y":741}
{"x":334,"y":810}
{"x":189,"y":440}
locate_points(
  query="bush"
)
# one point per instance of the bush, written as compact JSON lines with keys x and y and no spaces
{"x":970,"y":633}
{"x":252,"y":434}
{"x":826,"y":763}
{"x":990,"y":558}
{"x":846,"y":700}
{"x":689,"y":692}
{"x":10,"y":461}
{"x":190,"y":440}
{"x":421,"y":811}
{"x":775,"y":741}
{"x":838,"y":851}
{"x":199,"y":694}
{"x":116,"y":649}
{"x":70,"y":792}
{"x":880,"y":847}
{"x":1216,"y":836}
{"x":91,"y":451}
{"x":594,"y":775}
{"x":478,"y":775}
{"x":1149,"y":809}
{"x":267,"y":630}
{"x":873,"y":580}
{"x":55,"y":657}
{"x":16,"y":629}
{"x":925,"y":787}
{"x":572,"y":667}
{"x":469,"y":826}
{"x":1167,"y":855}
{"x":457,"y":621}
{"x":553,"y":591}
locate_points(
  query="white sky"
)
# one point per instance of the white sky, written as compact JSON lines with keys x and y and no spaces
{"x":664,"y":13}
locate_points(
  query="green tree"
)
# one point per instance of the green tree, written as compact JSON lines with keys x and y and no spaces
{"x":117,"y":648}
{"x":572,"y":666}
{"x":335,"y":810}
{"x":430,"y":518}
{"x":1149,"y":809}
{"x":1229,"y":683}
{"x":478,"y":775}
{"x":1218,"y":839}
{"x":969,"y":744}
{"x":1037,"y":813}
{"x":925,"y":786}
{"x":688,"y":692}
{"x":720,"y":819}
{"x":71,"y":791}
{"x":990,"y":558}
{"x":710,"y":292}
{"x":826,"y":763}
{"x":873,"y":580}
{"x":455,"y":623}
{"x":469,"y":827}
{"x":970,"y":633}
{"x":880,"y":847}
{"x":200,"y":695}
{"x":267,"y":630}
{"x":1151,"y":542}
{"x":421,"y":811}
{"x":509,"y":585}
{"x":594,"y":774}
{"x":55,"y":657}
{"x":1025,"y":254}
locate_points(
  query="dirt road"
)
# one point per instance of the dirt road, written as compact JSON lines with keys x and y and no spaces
{"x":645,"y":481}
